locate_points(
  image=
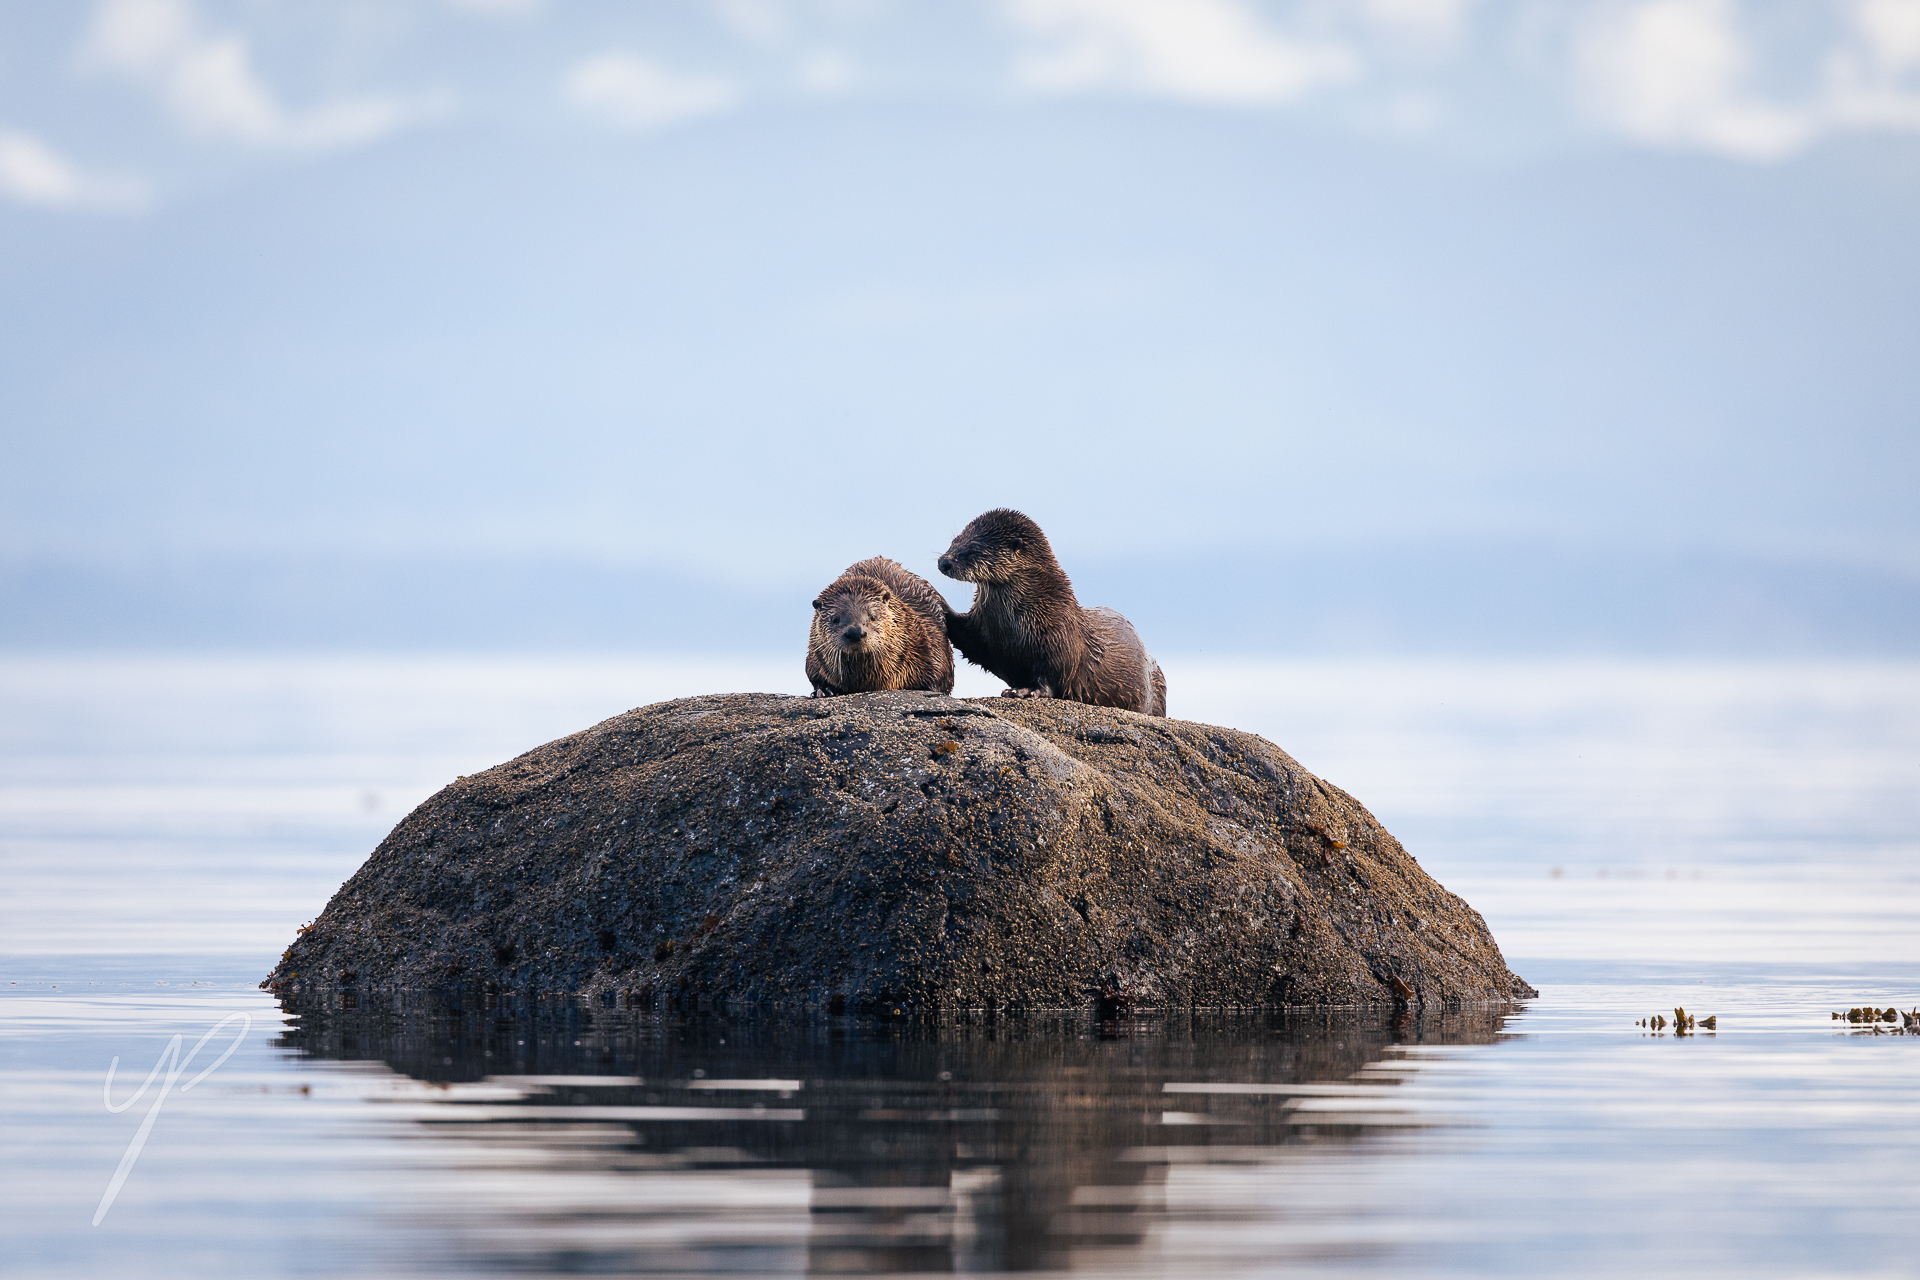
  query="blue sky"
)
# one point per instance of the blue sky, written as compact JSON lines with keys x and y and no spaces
{"x":750,"y":289}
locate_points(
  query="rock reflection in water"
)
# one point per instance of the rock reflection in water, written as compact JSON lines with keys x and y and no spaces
{"x":599,"y":1139}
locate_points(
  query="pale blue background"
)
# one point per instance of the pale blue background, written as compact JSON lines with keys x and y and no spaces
{"x":1500,"y":327}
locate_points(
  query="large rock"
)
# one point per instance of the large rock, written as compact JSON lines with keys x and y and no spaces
{"x":897,"y":849}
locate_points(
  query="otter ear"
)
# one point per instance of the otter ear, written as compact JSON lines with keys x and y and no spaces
{"x":819,"y":604}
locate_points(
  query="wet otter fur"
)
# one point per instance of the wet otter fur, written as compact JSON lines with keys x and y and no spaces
{"x":879,"y":626}
{"x":1026,"y":627}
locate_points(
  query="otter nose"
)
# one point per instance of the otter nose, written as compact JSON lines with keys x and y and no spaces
{"x":944,"y":564}
{"x":855,"y":632}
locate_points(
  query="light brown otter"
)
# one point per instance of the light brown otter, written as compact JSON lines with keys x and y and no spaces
{"x":1026,"y":627}
{"x":879,"y":626}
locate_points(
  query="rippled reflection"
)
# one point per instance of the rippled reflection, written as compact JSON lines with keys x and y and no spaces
{"x":567,"y":1137}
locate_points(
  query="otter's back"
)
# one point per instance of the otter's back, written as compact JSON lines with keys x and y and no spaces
{"x":1125,"y":673}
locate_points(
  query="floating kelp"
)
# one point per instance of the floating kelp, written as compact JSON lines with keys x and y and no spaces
{"x":1683,"y":1022}
{"x":1869,"y":1018}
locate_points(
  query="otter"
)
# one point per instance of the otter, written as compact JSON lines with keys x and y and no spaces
{"x":1026,"y":627}
{"x":879,"y":626}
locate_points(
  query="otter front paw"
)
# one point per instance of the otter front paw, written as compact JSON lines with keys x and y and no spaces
{"x":818,"y":692}
{"x":1027,"y":693}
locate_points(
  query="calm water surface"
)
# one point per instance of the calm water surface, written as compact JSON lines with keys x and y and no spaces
{"x":1739,"y":839}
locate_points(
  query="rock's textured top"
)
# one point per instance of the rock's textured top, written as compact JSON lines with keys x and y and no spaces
{"x":903,"y":849}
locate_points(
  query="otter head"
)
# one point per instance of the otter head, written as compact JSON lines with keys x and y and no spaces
{"x":994,"y":547}
{"x":854,"y":613}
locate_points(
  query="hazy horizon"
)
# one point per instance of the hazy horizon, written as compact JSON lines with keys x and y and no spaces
{"x":1442,"y":600}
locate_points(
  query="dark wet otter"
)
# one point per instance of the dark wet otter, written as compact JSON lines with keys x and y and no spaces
{"x":1026,"y":627}
{"x":879,"y":626}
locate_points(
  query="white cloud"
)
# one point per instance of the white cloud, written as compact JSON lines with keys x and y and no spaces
{"x":1212,"y":51}
{"x":1892,"y":31}
{"x":828,"y":71}
{"x":31,"y":172}
{"x":1865,"y":84}
{"x":764,"y":21}
{"x":638,"y":93}
{"x":497,"y":8}
{"x":1678,"y":74}
{"x":209,"y":86}
{"x":823,"y":68}
{"x":1428,"y":22}
{"x":1673,"y":73}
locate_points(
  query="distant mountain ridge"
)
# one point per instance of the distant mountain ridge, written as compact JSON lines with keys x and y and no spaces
{"x":1436,"y":599}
